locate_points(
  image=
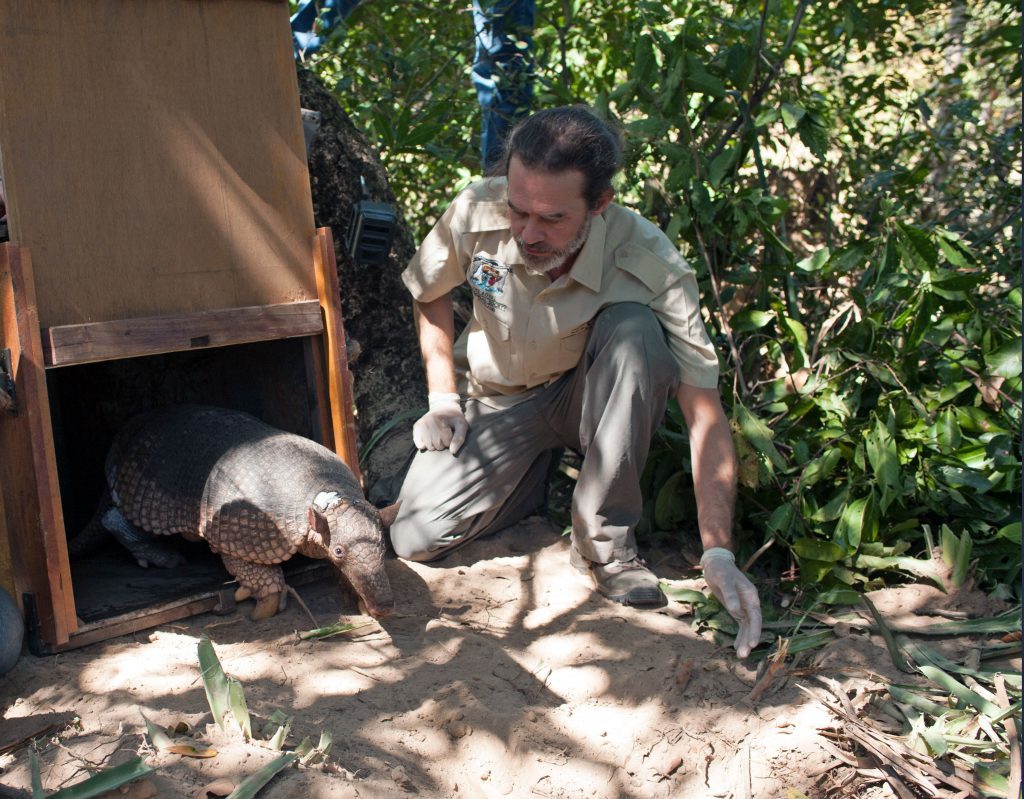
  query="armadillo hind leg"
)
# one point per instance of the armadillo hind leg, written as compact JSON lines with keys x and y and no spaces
{"x":264,"y":582}
{"x":145,"y":547}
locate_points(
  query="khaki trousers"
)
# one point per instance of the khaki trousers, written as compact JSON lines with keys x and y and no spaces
{"x":606,"y":409}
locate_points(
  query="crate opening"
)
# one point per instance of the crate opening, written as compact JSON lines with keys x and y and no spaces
{"x":89,"y":404}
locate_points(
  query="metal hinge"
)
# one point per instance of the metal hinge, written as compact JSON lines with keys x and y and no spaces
{"x":8,"y":399}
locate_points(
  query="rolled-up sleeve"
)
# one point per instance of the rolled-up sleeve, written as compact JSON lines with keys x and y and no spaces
{"x":678,"y":310}
{"x":437,"y":266}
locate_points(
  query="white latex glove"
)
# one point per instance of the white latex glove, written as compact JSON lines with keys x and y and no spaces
{"x":444,"y":426}
{"x":736,"y":593}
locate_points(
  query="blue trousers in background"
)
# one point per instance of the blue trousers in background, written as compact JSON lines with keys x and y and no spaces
{"x":305,"y":39}
{"x":502,"y":67}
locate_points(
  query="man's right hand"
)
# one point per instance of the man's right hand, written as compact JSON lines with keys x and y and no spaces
{"x":444,"y":426}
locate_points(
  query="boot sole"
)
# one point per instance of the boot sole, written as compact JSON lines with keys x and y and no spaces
{"x":641,"y":597}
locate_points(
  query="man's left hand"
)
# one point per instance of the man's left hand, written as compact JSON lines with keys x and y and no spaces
{"x":736,"y":593}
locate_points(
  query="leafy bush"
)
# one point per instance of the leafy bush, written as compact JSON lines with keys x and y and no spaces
{"x":845,"y":180}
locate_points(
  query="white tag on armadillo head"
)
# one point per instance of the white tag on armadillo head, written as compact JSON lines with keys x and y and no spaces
{"x":324,"y":499}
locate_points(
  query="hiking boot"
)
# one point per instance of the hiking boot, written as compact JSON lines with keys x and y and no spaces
{"x":626,"y":582}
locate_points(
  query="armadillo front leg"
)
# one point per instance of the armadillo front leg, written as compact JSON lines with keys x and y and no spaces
{"x":265,"y":583}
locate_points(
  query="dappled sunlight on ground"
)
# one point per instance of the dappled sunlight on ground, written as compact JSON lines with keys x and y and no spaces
{"x":501,"y":674}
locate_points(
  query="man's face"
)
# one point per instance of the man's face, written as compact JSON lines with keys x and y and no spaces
{"x":550,"y":219}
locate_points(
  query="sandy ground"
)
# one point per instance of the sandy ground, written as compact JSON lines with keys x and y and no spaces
{"x":502,"y":675}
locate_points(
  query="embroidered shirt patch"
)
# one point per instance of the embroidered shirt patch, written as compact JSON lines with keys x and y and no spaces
{"x":488,"y":275}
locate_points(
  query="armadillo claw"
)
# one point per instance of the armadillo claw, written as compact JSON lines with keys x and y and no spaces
{"x":242,"y":593}
{"x":266,"y":607}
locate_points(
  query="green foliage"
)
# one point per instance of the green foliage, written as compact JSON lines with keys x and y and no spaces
{"x":844,"y":178}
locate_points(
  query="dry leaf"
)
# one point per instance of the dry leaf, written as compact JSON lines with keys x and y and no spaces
{"x":221,"y":787}
{"x":190,"y":751}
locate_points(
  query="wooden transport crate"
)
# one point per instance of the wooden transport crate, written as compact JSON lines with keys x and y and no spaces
{"x":162,"y":249}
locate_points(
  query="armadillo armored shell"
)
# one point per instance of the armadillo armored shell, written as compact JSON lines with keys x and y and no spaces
{"x":224,"y":476}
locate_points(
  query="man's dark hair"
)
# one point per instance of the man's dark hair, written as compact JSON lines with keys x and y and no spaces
{"x":570,"y":137}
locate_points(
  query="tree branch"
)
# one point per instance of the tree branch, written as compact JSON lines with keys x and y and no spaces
{"x":758,"y":95}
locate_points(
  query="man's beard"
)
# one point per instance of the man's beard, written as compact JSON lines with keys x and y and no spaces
{"x":553,"y":259}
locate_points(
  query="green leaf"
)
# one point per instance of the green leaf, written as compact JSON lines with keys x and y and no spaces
{"x":821,"y":467}
{"x":791,"y":115}
{"x":276,"y":729}
{"x":946,"y":431}
{"x":956,"y":553}
{"x":239,"y":709}
{"x":250,"y":786}
{"x":331,"y":630}
{"x":965,"y":478}
{"x":1012,"y":533}
{"x":882,"y":455}
{"x":698,"y":79}
{"x":671,"y":505}
{"x":645,"y":67}
{"x":739,"y":63}
{"x":910,"y":695}
{"x":991,"y":781}
{"x":759,"y":435}
{"x":816,"y":261}
{"x":962,"y":693}
{"x":108,"y":779}
{"x":1006,"y":360}
{"x":158,"y":739}
{"x":838,"y":596}
{"x":920,"y":249}
{"x":816,"y":549}
{"x":750,"y":319}
{"x":782,"y":518}
{"x":953,"y":254}
{"x":679,"y":594}
{"x":834,"y":508}
{"x":857,"y":522}
{"x":812,"y":572}
{"x":37,"y":780}
{"x":214,"y":681}
{"x":720,"y":166}
{"x":798,"y":334}
{"x":899,"y":658}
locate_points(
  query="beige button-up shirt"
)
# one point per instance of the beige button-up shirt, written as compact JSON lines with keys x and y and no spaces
{"x":526,"y":330}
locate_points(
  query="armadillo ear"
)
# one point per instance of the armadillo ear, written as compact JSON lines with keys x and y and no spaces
{"x":318,"y":522}
{"x":388,"y":515}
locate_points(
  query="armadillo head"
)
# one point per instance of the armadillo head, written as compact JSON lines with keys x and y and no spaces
{"x":353,"y":539}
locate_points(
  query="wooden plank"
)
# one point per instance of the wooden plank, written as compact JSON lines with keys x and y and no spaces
{"x":28,"y":466}
{"x":154,"y":148}
{"x":67,"y":345}
{"x":220,"y":602}
{"x":6,"y":563}
{"x":339,"y":377}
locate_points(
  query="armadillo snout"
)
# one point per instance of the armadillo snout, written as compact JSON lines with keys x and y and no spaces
{"x":363,"y":569}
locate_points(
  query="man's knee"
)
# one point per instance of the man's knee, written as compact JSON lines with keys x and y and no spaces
{"x":413,"y":540}
{"x":627,"y":323}
{"x":632,"y":332}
